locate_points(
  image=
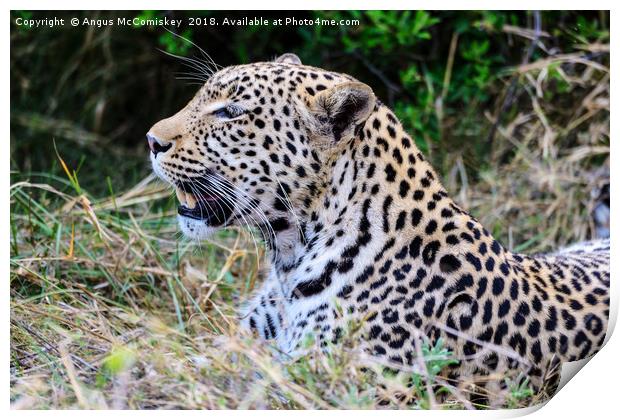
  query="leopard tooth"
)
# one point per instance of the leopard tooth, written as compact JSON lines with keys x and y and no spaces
{"x":190,"y":200}
{"x":181,"y":196}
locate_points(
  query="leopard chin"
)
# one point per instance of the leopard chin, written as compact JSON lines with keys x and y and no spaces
{"x":196,"y":229}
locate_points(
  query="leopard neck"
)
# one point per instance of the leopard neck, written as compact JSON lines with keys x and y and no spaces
{"x":379,"y":197}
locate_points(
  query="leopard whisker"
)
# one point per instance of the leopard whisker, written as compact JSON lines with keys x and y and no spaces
{"x":241,"y":195}
{"x":230,"y":204}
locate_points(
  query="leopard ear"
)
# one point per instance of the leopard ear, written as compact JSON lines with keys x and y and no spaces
{"x":343,"y":107}
{"x":288,"y":58}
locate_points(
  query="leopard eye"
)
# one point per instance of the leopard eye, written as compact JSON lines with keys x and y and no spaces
{"x":228,"y":112}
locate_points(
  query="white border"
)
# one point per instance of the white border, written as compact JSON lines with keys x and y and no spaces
{"x":592,"y":395}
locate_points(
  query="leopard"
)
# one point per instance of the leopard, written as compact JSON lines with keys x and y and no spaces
{"x":358,"y":227}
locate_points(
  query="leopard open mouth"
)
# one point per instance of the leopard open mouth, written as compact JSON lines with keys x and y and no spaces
{"x":203,"y":203}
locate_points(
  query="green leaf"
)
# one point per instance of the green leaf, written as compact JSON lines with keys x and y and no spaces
{"x":119,"y":360}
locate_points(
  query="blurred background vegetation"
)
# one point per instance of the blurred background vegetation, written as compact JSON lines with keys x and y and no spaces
{"x":512,"y":108}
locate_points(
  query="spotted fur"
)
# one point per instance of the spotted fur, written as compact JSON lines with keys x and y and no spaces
{"x":359,"y":227}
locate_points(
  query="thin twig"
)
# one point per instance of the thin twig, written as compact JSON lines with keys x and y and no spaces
{"x":515,"y":78}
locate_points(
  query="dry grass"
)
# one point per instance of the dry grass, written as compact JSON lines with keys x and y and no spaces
{"x":549,"y":160}
{"x":111,"y":309}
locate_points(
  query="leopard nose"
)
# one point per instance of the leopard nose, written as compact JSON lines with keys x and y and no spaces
{"x":156,"y":145}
